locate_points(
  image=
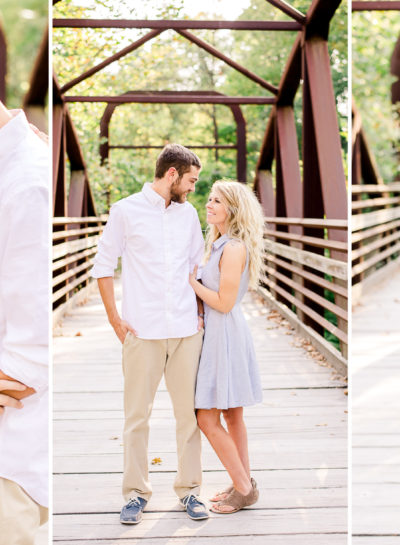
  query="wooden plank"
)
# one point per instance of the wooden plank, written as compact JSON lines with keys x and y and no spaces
{"x":374,"y":260}
{"x":71,"y":273}
{"x":76,"y":232}
{"x":370,"y":203}
{"x":369,"y":219}
{"x":370,"y":247}
{"x":376,"y":406}
{"x":375,"y":188}
{"x":286,"y":458}
{"x":333,"y":356}
{"x":70,"y":286}
{"x":320,"y":281}
{"x":71,"y":259}
{"x":95,"y":493}
{"x":65,"y":248}
{"x":310,"y":539}
{"x":309,"y":222}
{"x":307,"y":310}
{"x":309,"y":293}
{"x":297,"y":442}
{"x":287,"y":522}
{"x":87,"y":219}
{"x":367,"y":233}
{"x":311,"y":241}
{"x":320,"y":263}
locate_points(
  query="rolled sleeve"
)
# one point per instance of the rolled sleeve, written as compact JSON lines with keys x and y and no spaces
{"x":24,"y":288}
{"x":197,"y":247}
{"x":110,"y":246}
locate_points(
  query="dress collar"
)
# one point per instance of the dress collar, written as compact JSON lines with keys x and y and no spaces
{"x":220,"y":241}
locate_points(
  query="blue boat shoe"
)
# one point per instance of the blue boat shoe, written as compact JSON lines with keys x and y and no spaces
{"x":132,"y":512}
{"x":195,"y":508}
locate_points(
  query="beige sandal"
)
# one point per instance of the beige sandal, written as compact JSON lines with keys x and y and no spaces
{"x":219,"y":496}
{"x":237,"y":500}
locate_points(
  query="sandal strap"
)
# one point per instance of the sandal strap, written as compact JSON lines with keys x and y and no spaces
{"x":238,"y":500}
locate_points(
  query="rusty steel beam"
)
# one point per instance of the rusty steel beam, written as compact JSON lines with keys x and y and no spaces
{"x":59,"y":182}
{"x":267,"y":151}
{"x":149,"y":36}
{"x":364,"y":166}
{"x":57,"y":139}
{"x":39,"y":81}
{"x":395,"y":70}
{"x":313,"y":204}
{"x":375,"y":6}
{"x":3,"y":65}
{"x":289,"y":10}
{"x":289,"y":159}
{"x":215,"y":146}
{"x":174,"y":24}
{"x":241,"y":163}
{"x":213,"y":51}
{"x":333,"y":185}
{"x":264,"y":190}
{"x":176,"y":98}
{"x":319,"y":16}
{"x":369,"y":169}
{"x":291,"y":76}
{"x":66,"y":144}
{"x":76,"y":195}
{"x":74,"y":150}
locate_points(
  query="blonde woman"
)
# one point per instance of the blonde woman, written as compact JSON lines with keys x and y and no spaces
{"x":228,"y":377}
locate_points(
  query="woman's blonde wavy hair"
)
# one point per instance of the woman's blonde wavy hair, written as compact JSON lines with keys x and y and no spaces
{"x":245,"y":223}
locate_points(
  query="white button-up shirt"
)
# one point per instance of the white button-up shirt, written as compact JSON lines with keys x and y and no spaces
{"x":24,"y":303}
{"x":158,"y":246}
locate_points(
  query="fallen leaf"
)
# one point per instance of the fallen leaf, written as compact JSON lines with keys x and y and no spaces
{"x":156,"y":461}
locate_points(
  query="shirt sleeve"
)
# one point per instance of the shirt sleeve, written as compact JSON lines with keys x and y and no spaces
{"x":110,"y":245}
{"x":24,"y":287}
{"x":197,"y":247}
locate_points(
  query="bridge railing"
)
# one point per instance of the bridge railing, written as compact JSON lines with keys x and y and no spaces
{"x":305,"y":278}
{"x":74,"y":246}
{"x":375,"y":233}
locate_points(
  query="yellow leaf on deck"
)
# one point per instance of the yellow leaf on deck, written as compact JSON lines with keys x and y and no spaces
{"x":156,"y":461}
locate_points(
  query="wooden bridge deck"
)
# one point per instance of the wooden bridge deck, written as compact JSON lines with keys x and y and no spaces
{"x":376,"y":409}
{"x":297,"y":440}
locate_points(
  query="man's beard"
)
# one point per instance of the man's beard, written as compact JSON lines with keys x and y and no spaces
{"x":176,"y":195}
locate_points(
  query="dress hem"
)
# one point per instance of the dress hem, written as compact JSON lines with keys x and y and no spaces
{"x":233,"y":406}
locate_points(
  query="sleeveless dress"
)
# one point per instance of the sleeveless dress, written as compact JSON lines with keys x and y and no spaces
{"x":228,"y":373}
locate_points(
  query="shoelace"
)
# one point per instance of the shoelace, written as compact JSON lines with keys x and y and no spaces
{"x":134,"y":501}
{"x":190,"y":499}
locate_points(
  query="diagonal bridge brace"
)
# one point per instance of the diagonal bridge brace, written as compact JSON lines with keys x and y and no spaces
{"x":135,"y":45}
{"x":213,"y":51}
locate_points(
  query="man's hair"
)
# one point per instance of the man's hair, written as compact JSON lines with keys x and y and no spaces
{"x":177,"y":156}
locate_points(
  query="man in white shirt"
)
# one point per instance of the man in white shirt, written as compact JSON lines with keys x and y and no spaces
{"x":158,"y":235}
{"x":24,"y":332}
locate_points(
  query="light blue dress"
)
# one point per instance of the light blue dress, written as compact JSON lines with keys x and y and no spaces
{"x":228,"y":373}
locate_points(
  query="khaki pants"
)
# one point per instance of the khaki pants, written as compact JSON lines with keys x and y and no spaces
{"x":144,"y":363}
{"x":20,"y":515}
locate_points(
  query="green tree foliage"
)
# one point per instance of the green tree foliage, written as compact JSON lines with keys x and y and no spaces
{"x":373,"y":39}
{"x":23,"y":22}
{"x":170,"y":62}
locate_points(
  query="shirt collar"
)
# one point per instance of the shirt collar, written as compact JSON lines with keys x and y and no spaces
{"x":152,"y":196}
{"x":220,"y":241}
{"x":12,"y":133}
{"x":155,"y":199}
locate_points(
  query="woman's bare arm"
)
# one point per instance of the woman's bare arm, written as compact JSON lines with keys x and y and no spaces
{"x":231,"y":265}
